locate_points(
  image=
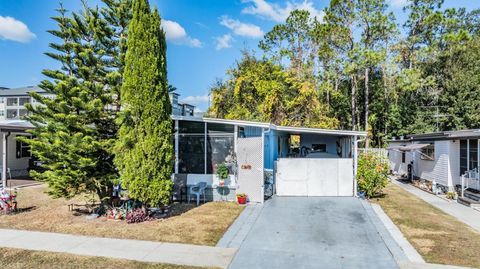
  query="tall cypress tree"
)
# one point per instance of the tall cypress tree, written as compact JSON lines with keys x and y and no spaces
{"x":75,"y":131}
{"x":144,"y":150}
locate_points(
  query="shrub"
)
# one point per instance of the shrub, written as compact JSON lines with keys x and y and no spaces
{"x":451,"y":195}
{"x":137,"y":216}
{"x":372,"y":174}
{"x":222,"y":172}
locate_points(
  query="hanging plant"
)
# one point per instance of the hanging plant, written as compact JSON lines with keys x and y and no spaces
{"x":222,"y":173}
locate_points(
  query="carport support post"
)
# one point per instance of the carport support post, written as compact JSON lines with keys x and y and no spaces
{"x":176,"y":147}
{"x":355,"y":165}
{"x":4,"y":159}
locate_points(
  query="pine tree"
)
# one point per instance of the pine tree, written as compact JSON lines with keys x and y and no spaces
{"x":74,"y":130}
{"x":144,"y":151}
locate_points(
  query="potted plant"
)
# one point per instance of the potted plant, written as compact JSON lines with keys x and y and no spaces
{"x":222,"y":174}
{"x":242,"y":198}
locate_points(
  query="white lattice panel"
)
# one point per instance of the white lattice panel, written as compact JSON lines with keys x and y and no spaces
{"x":250,"y":167}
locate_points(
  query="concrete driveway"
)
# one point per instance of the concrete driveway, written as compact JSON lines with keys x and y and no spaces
{"x":313,"y":232}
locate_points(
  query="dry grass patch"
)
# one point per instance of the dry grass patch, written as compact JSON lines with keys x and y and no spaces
{"x":203,"y":225}
{"x":437,"y":236}
{"x":27,"y":259}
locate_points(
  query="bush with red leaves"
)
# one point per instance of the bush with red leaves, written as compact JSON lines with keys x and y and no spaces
{"x":137,"y":216}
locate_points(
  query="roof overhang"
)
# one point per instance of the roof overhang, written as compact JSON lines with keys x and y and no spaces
{"x":411,"y":147}
{"x":289,"y":129}
{"x":447,"y":135}
{"x":15,"y":126}
{"x":320,"y":131}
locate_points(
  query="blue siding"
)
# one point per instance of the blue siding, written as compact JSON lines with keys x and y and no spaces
{"x":253,"y":131}
{"x":267,"y":150}
{"x":271,"y":153}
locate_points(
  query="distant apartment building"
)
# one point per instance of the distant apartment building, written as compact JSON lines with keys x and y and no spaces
{"x":180,"y":109}
{"x":13,"y":101}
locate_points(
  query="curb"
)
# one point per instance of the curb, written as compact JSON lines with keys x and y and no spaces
{"x":396,"y":234}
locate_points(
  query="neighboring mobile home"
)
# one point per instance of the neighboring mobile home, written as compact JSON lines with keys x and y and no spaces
{"x":16,"y":158}
{"x":441,"y":158}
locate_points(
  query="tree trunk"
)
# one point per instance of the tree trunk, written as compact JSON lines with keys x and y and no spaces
{"x":367,"y":71}
{"x":385,"y":100}
{"x":353,"y":100}
{"x":328,"y":97}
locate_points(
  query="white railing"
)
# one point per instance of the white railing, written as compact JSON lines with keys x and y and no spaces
{"x":471,"y":179}
{"x":379,"y":152}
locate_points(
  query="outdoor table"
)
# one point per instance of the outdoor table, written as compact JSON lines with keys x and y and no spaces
{"x":222,"y":189}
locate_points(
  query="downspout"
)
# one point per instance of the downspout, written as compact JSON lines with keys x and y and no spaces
{"x":4,"y":158}
{"x":176,"y":146}
{"x":355,"y":164}
{"x":264,"y":131}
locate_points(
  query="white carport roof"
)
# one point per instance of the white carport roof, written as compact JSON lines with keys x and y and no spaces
{"x":273,"y":126}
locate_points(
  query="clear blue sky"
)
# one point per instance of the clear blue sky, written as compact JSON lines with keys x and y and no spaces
{"x":204,"y":37}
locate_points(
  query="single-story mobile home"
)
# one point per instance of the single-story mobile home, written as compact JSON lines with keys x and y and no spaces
{"x":442,"y":157}
{"x":16,"y":158}
{"x":263,"y":158}
{"x":301,"y":161}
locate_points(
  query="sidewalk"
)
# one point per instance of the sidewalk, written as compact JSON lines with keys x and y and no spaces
{"x":145,"y":251}
{"x":463,"y":213}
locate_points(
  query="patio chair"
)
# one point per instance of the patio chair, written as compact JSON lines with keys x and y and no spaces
{"x":197,"y":190}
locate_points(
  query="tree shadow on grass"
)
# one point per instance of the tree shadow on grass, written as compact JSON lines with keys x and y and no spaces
{"x":83,"y":209}
{"x":19,"y":210}
{"x":177,"y":209}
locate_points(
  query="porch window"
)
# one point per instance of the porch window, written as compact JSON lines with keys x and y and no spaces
{"x":220,"y":145}
{"x":22,"y":149}
{"x":191,"y":154}
{"x":468,"y":155}
{"x":203,"y":146}
{"x":191,"y":147}
{"x":463,"y":156}
{"x":473,"y":156}
{"x":428,"y":153}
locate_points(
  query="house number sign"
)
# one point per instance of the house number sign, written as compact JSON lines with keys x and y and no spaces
{"x":246,"y":166}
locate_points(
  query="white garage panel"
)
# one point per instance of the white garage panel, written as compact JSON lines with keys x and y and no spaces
{"x":314,"y":177}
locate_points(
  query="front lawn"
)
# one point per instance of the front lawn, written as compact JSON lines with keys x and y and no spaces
{"x":203,"y":225}
{"x":28,"y":259}
{"x":437,"y":236}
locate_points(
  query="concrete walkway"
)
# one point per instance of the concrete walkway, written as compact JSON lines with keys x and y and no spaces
{"x":145,"y":251}
{"x":465,"y":214}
